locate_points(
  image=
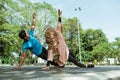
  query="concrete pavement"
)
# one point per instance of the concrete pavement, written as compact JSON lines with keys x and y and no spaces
{"x":67,"y":73}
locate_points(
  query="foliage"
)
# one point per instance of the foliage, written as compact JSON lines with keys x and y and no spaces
{"x":9,"y":38}
{"x":16,"y":15}
{"x":71,"y":35}
{"x":91,"y":38}
{"x":101,"y":51}
{"x":116,"y":48}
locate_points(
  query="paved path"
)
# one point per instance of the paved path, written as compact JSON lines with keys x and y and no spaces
{"x":67,"y":73}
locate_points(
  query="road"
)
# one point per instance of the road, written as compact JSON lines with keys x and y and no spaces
{"x":67,"y":73}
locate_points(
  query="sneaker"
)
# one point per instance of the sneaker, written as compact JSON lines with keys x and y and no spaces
{"x":81,"y":65}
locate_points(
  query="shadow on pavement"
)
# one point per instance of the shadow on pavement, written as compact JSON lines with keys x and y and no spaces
{"x":33,"y":72}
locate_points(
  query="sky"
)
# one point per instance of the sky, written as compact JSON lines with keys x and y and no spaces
{"x":94,"y":14}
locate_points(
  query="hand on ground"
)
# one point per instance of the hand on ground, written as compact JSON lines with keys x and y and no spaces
{"x":46,"y":68}
{"x":18,"y":67}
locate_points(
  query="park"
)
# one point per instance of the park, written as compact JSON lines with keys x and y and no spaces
{"x":82,"y":38}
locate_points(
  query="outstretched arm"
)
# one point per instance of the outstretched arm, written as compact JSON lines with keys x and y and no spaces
{"x":33,"y":22}
{"x":59,"y":26}
{"x":23,"y":56}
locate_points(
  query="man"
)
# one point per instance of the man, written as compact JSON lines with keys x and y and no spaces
{"x":57,"y":46}
{"x":31,"y":43}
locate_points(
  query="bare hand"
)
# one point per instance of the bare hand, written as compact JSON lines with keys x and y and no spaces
{"x":18,"y":67}
{"x":59,"y":12}
{"x":34,"y":15}
{"x":46,"y":68}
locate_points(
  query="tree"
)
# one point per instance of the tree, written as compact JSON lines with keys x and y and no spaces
{"x":90,"y":39}
{"x":2,"y":13}
{"x":102,"y":51}
{"x":9,"y":38}
{"x":116,"y":48}
{"x":16,"y":15}
{"x":70,"y":33}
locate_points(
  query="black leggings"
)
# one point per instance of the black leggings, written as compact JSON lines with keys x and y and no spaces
{"x":44,"y":56}
{"x":73,"y":60}
{"x":70,"y":59}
